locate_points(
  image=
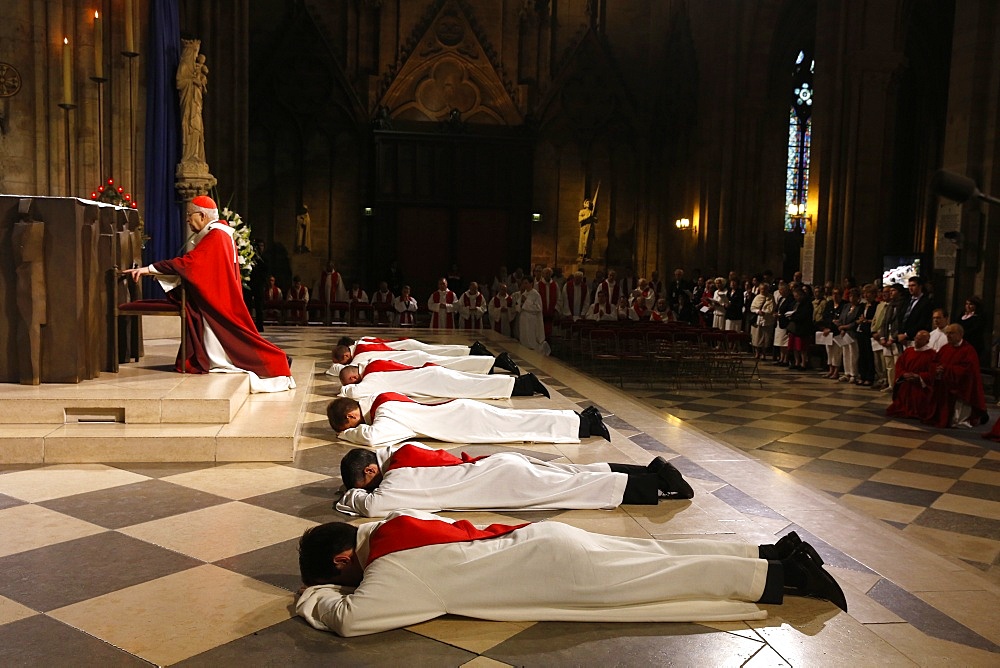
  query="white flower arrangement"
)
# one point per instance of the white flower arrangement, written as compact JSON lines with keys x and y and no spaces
{"x":241,"y":237}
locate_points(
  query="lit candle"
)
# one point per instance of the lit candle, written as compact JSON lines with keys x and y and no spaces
{"x":67,"y":72}
{"x":129,"y":28}
{"x":98,"y":47}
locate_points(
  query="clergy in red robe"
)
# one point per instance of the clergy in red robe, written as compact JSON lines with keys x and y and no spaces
{"x":220,"y":332}
{"x":913,"y":392}
{"x":959,"y":400}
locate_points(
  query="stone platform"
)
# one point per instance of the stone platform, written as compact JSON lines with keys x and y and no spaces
{"x":147,"y":412}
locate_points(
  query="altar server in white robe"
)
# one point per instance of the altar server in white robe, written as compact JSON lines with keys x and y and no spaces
{"x":380,"y":376}
{"x":484,"y":364}
{"x":530,"y":323}
{"x":415,"y":566}
{"x":413,"y":475}
{"x":405,"y":307}
{"x":391,"y":418}
{"x":471,"y":308}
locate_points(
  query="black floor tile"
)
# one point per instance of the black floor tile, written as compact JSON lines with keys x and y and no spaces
{"x":311,"y":502}
{"x":971,"y":525}
{"x":875,"y":448}
{"x":896,"y":493}
{"x":9,"y":501}
{"x":52,"y":577}
{"x":794,"y":448}
{"x":965,"y":449}
{"x":928,"y":468}
{"x":323,"y":459}
{"x":976,"y":490}
{"x":745,"y":503}
{"x":139,"y":502}
{"x":570,"y":645}
{"x":43,"y":641}
{"x":926,"y":618}
{"x":295,"y":643}
{"x":276,"y":564}
{"x":829,"y":467}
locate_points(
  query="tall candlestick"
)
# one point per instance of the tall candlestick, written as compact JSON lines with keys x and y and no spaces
{"x":67,"y":72}
{"x":98,"y":47}
{"x":129,"y":28}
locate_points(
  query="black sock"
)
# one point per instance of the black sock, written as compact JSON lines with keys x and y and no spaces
{"x":584,"y":427}
{"x":641,"y":490}
{"x":768,"y":552}
{"x":774,"y":585}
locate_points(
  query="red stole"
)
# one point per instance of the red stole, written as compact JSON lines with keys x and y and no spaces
{"x":273,"y":294}
{"x":386,"y":397}
{"x":410,"y":456}
{"x":498,"y":303}
{"x":355,"y":296}
{"x":470,"y":322}
{"x":550,"y":295}
{"x":297,"y":293}
{"x":377,"y":366}
{"x":379,"y":298}
{"x":371,"y":347}
{"x":449,"y":321}
{"x":405,"y":317}
{"x":574,"y":308}
{"x":406,"y":533}
{"x":613,"y":293}
{"x":328,"y":284}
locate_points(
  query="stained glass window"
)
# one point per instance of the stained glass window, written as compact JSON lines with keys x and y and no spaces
{"x":799,"y":139}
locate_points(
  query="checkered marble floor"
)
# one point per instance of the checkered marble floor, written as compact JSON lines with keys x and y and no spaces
{"x":173,"y":564}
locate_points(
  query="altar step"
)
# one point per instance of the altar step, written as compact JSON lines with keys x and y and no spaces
{"x":149,"y":413}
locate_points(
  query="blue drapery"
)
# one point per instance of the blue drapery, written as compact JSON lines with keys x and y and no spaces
{"x":164,"y":213}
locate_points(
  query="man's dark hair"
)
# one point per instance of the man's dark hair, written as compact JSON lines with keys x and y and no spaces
{"x":352,"y":466}
{"x":318,"y":546}
{"x":339,"y":351}
{"x":337,"y":410}
{"x":345,"y":341}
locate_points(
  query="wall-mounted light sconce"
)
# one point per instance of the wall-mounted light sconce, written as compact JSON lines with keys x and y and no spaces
{"x":369,"y":212}
{"x":683,"y":223}
{"x":536,"y":217}
{"x":797,"y":212}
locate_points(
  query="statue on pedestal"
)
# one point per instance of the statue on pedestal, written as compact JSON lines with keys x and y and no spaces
{"x":303,"y":230}
{"x":193,"y":177}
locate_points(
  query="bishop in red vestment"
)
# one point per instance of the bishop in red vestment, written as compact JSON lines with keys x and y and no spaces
{"x":221,"y":334}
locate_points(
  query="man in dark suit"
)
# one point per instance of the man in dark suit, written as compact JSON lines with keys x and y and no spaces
{"x":917,"y":314}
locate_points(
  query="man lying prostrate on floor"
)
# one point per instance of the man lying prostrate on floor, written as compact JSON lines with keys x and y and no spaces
{"x":369,"y":343}
{"x":413,"y":475}
{"x":414,"y":566}
{"x":394,"y":417}
{"x":380,"y":376}
{"x":342,"y":356}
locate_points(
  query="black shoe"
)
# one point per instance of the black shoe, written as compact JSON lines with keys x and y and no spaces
{"x":590,"y":411}
{"x":289,"y":358}
{"x":523,"y":387}
{"x":597,"y":426}
{"x":673,"y":483}
{"x":782,"y":549}
{"x":479,"y":349}
{"x":504,"y":362}
{"x":805,"y":569}
{"x":538,"y":387}
{"x":656,"y":465}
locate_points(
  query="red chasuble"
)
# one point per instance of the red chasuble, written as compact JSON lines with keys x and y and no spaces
{"x":387,"y":396}
{"x":961,"y":380}
{"x":911,"y":399}
{"x":407,"y":533}
{"x":371,"y":347}
{"x":215,"y":297}
{"x":389,"y":365}
{"x":412,"y":457}
{"x":449,"y":318}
